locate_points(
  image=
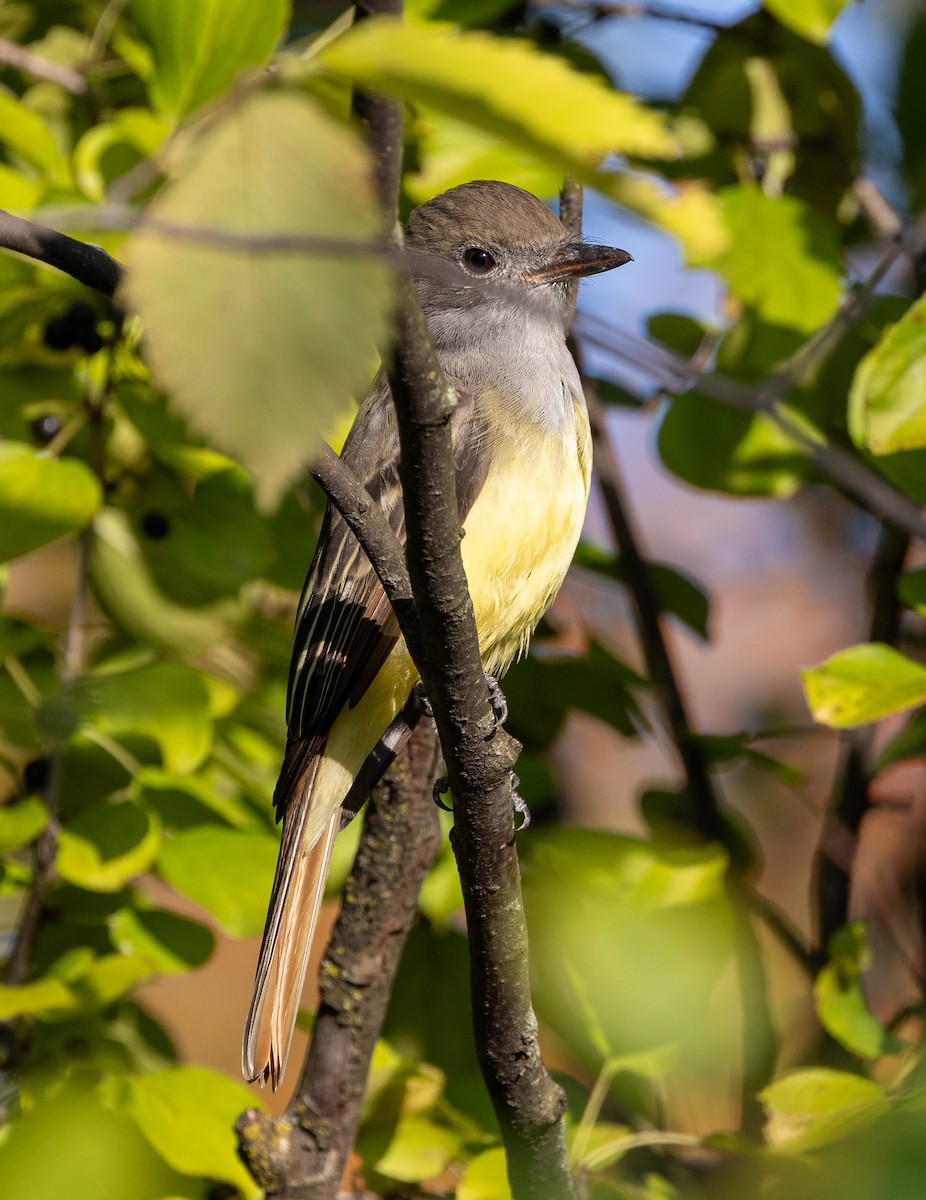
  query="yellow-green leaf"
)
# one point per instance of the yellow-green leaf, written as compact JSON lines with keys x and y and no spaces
{"x":506,"y":86}
{"x":485,"y":1177}
{"x":818,"y":1105}
{"x":24,"y":132}
{"x":21,"y":823}
{"x":44,"y":995}
{"x":283,"y":337}
{"x":863,"y":684}
{"x":188,"y":1115}
{"x":887,"y":402}
{"x":41,"y":498}
{"x":105,"y":846}
{"x":812,"y":19}
{"x":201,"y":45}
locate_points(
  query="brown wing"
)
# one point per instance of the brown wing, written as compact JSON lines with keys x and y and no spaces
{"x":345,"y":626}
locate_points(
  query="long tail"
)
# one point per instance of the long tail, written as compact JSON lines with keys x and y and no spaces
{"x":298,"y":887}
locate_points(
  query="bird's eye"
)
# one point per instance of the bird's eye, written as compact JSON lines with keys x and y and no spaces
{"x":478,"y":261}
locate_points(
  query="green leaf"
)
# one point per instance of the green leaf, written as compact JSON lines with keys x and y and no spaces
{"x":166,"y":702}
{"x":188,"y":1115}
{"x":417,"y":1149}
{"x":910,"y":742}
{"x":105,"y":846}
{"x":170,"y":943}
{"x":41,"y":498}
{"x":30,"y":999}
{"x":841,"y":1004}
{"x":863,"y":684}
{"x":21,"y":823}
{"x":504,"y":86}
{"x":542,"y":689}
{"x":25,"y":133}
{"x":485,"y":1177}
{"x":678,"y":594}
{"x":817,"y":1105}
{"x":225,"y":871}
{"x":200,"y":46}
{"x":784,"y":259}
{"x":266,"y":322}
{"x":810,"y":18}
{"x":108,"y":978}
{"x":724,"y":449}
{"x":887,"y":402}
{"x":911,"y":587}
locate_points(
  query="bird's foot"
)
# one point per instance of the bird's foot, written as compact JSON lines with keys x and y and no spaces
{"x":497,"y":700}
{"x":520,"y":805}
{"x":421,"y":702}
{"x":441,"y":785}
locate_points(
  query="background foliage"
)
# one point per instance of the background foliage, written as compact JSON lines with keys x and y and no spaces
{"x":156,"y":524}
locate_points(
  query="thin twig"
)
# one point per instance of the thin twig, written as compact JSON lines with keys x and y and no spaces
{"x":14,"y":55}
{"x":88,"y":264}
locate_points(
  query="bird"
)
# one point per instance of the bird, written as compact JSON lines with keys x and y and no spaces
{"x":492,"y":264}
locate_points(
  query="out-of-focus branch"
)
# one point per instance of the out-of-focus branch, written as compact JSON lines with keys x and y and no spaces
{"x":834,"y":874}
{"x":14,"y":55}
{"x":88,"y":264}
{"x":301,"y":1154}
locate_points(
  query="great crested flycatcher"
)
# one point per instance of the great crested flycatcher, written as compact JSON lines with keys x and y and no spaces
{"x":492,"y":265}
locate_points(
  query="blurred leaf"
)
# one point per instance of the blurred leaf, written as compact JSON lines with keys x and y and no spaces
{"x":863,"y":684}
{"x":810,"y":18}
{"x":107,"y":978}
{"x":97,"y":1154}
{"x":188,"y":1115}
{"x":113,"y":147}
{"x":105,"y":846}
{"x":21,"y":823}
{"x":888,"y":397}
{"x":909,"y":107}
{"x":910,"y":742}
{"x":441,"y":895}
{"x":200,"y":46}
{"x":811,"y":1107}
{"x":41,"y":498}
{"x":784,"y":260}
{"x":266,"y":322}
{"x":841,"y":1004}
{"x":502,"y":86}
{"x":28,"y":999}
{"x":911,"y":588}
{"x":689,"y":212}
{"x":124,"y":586}
{"x":724,"y":449}
{"x":26,"y":134}
{"x":415,"y":1149}
{"x":485,"y":1177}
{"x":170,"y":943}
{"x":542,"y":689}
{"x":165,"y":701}
{"x":225,"y":871}
{"x":678,"y":594}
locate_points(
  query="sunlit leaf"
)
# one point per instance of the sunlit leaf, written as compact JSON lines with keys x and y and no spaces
{"x":888,"y":396}
{"x":817,"y":1105}
{"x":225,"y":871}
{"x":200,"y":46}
{"x":105,"y":846}
{"x":783,"y":261}
{"x":167,"y":702}
{"x":505,"y":86}
{"x":724,"y":449}
{"x":25,"y":132}
{"x":44,"y":995}
{"x":41,"y":498}
{"x":812,"y":19}
{"x":188,"y":1115}
{"x":283,"y":339}
{"x":841,"y":1004}
{"x":171,"y":943}
{"x":863,"y":684}
{"x":415,"y":1149}
{"x":21,"y":823}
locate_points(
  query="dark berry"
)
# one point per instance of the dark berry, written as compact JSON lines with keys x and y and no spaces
{"x":91,"y":342}
{"x":45,"y":428}
{"x":82,"y":317}
{"x":155,"y":525}
{"x":58,"y":334}
{"x":35,"y":774}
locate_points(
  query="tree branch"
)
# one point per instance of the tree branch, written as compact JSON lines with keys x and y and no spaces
{"x":301,"y":1155}
{"x":14,"y":55}
{"x":86,"y":263}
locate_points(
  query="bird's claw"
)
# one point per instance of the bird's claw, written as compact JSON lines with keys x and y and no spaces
{"x":497,"y":700}
{"x":520,"y":805}
{"x":441,"y":785}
